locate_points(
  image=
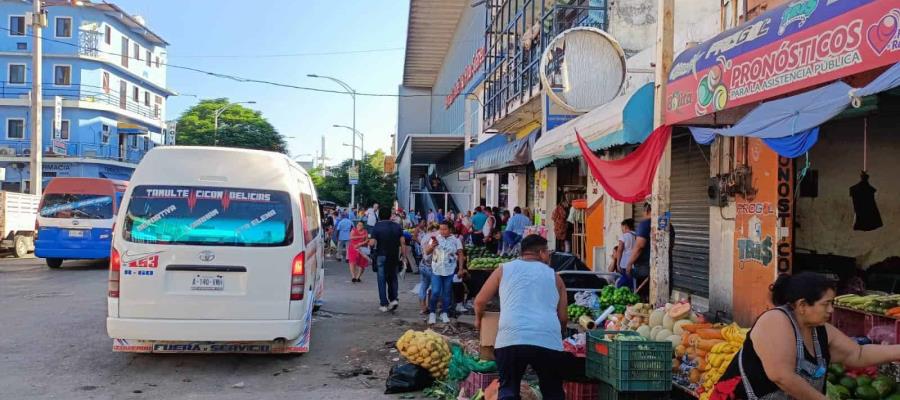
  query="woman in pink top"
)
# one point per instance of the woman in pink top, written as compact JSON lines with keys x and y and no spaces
{"x":358,"y":262}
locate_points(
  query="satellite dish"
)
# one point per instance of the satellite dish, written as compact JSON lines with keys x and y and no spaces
{"x":583,"y":68}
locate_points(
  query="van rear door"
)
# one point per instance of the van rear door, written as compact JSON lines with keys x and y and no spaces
{"x":206,"y":253}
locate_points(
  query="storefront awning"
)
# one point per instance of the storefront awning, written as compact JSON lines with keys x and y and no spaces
{"x":790,"y":125}
{"x":116,"y":176}
{"x":125,"y":128}
{"x":494,"y":142}
{"x":627,"y":119}
{"x":797,"y":45}
{"x":512,"y":154}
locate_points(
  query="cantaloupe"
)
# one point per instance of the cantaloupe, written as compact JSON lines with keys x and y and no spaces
{"x":677,"y":328}
{"x":654,"y":331}
{"x":656,"y":317}
{"x":679,"y":311}
{"x":668,"y":322}
{"x":662,"y":335}
{"x":675,"y":339}
{"x":644,"y":331}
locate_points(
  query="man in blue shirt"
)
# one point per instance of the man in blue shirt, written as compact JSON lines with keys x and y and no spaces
{"x":343,"y":231}
{"x":478,"y":221}
{"x":515,"y":228}
{"x":639,"y":262}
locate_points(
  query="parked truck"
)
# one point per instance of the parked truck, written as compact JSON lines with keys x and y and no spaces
{"x":18,"y":213}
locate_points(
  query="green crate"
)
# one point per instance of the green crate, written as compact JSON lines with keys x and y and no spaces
{"x":638,"y":366}
{"x":607,"y":392}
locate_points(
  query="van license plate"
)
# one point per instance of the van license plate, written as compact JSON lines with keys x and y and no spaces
{"x":207,"y":282}
{"x":76,"y":233}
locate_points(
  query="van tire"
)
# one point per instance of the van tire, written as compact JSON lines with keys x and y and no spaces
{"x":316,"y":308}
{"x":54,"y":262}
{"x":20,"y":246}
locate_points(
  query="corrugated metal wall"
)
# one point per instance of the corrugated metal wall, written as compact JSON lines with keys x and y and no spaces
{"x":469,"y":37}
{"x":690,"y":215}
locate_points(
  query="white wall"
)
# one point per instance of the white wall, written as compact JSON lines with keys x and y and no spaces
{"x":826,"y":223}
{"x":461,"y":190}
{"x":413,"y":113}
{"x":517,"y":191}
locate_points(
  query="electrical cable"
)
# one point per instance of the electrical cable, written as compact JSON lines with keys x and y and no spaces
{"x":238,"y":78}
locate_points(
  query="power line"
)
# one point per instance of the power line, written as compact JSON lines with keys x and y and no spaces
{"x":324,"y":53}
{"x":239,"y":78}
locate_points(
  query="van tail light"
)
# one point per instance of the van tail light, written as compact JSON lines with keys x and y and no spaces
{"x":298,"y":277}
{"x":37,"y":228}
{"x":115,"y":263}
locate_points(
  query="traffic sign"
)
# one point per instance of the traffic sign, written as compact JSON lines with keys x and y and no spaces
{"x":353,"y":174}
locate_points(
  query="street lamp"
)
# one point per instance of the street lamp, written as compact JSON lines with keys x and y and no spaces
{"x":216,"y":119}
{"x":362,"y":145}
{"x":352,"y":93}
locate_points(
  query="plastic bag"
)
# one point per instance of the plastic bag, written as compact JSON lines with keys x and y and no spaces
{"x":461,"y":364}
{"x":407,"y":378}
{"x":587,"y":299}
{"x":884,"y":334}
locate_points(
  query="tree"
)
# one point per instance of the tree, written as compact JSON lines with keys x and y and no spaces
{"x":333,"y":184}
{"x":238,"y":127}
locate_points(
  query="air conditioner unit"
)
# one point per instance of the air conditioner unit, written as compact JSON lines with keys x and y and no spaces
{"x":26,"y":152}
{"x":90,"y":153}
{"x":7,"y":152}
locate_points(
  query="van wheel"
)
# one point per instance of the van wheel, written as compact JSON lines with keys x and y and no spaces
{"x":316,"y":308}
{"x":54,"y":262}
{"x":21,"y":246}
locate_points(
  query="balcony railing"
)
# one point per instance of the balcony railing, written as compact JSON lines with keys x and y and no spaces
{"x":516,"y":33}
{"x":86,"y":93}
{"x":109,"y":152}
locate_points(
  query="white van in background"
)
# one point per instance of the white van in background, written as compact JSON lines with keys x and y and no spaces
{"x":215,"y":250}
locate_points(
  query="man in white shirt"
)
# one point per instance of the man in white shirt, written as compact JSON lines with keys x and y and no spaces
{"x":372,"y":215}
{"x":447,"y":258}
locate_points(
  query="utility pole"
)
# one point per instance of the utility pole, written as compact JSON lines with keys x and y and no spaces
{"x":659,"y":248}
{"x":36,"y":171}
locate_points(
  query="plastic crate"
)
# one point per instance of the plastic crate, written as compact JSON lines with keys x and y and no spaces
{"x":629,"y":366}
{"x":852,"y":323}
{"x":581,"y":390}
{"x":476,"y":381}
{"x":607,"y":392}
{"x":891,"y":324}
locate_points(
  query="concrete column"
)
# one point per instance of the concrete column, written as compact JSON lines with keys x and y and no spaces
{"x":549,"y":204}
{"x":493,"y":190}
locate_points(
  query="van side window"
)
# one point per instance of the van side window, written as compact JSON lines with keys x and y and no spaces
{"x":313,"y":224}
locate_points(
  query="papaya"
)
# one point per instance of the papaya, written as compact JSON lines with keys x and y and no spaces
{"x":679,"y":311}
{"x":710,"y":333}
{"x":678,"y":328}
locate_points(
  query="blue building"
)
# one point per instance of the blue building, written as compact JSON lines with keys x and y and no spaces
{"x":109,"y":70}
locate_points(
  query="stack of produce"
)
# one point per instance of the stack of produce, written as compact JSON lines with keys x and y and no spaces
{"x":619,"y":298}
{"x":863,"y":384}
{"x":888,"y":305}
{"x":477,"y":252}
{"x":426,"y":349}
{"x":720,"y":344}
{"x":487,"y":263}
{"x":663,"y":323}
{"x":576,"y":311}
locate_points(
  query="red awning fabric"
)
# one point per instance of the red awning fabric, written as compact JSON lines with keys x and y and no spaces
{"x":629,"y":179}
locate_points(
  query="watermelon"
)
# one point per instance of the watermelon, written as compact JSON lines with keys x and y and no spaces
{"x":863,"y":380}
{"x":848,"y":382}
{"x":836,"y":392}
{"x":883,"y":385}
{"x":866,"y":392}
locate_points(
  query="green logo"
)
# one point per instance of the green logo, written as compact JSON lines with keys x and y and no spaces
{"x":799,"y":10}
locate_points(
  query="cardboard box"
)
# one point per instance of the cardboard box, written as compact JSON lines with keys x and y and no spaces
{"x":490,"y":322}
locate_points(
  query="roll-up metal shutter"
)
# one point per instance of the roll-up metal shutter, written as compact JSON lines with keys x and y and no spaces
{"x":690,"y":216}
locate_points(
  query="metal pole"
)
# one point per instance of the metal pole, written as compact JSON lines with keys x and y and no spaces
{"x":353,"y":150}
{"x":36,"y":102}
{"x":216,"y":129}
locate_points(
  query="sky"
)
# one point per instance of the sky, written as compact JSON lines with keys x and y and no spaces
{"x":196,"y":28}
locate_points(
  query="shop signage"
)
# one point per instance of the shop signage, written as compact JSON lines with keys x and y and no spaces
{"x":353,"y":174}
{"x":785,"y":246}
{"x":798,"y":45}
{"x":57,"y":116}
{"x":465,"y":77}
{"x":59,"y":147}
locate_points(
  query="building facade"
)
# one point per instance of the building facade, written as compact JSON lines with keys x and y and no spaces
{"x":109,"y":71}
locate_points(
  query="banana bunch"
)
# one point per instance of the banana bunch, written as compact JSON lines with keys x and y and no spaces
{"x":735,"y":335}
{"x":426,"y":349}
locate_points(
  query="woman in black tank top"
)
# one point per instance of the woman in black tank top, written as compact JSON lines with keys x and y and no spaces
{"x":787,"y":352}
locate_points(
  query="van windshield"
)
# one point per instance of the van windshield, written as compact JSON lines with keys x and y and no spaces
{"x":208,"y":216}
{"x":82,"y":206}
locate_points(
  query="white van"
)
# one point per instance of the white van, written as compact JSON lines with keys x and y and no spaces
{"x":215,"y":250}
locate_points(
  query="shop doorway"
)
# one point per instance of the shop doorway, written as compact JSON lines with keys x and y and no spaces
{"x":833,"y":235}
{"x":689,"y":221}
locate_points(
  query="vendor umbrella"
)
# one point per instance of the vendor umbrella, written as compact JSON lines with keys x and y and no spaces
{"x":630,"y":178}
